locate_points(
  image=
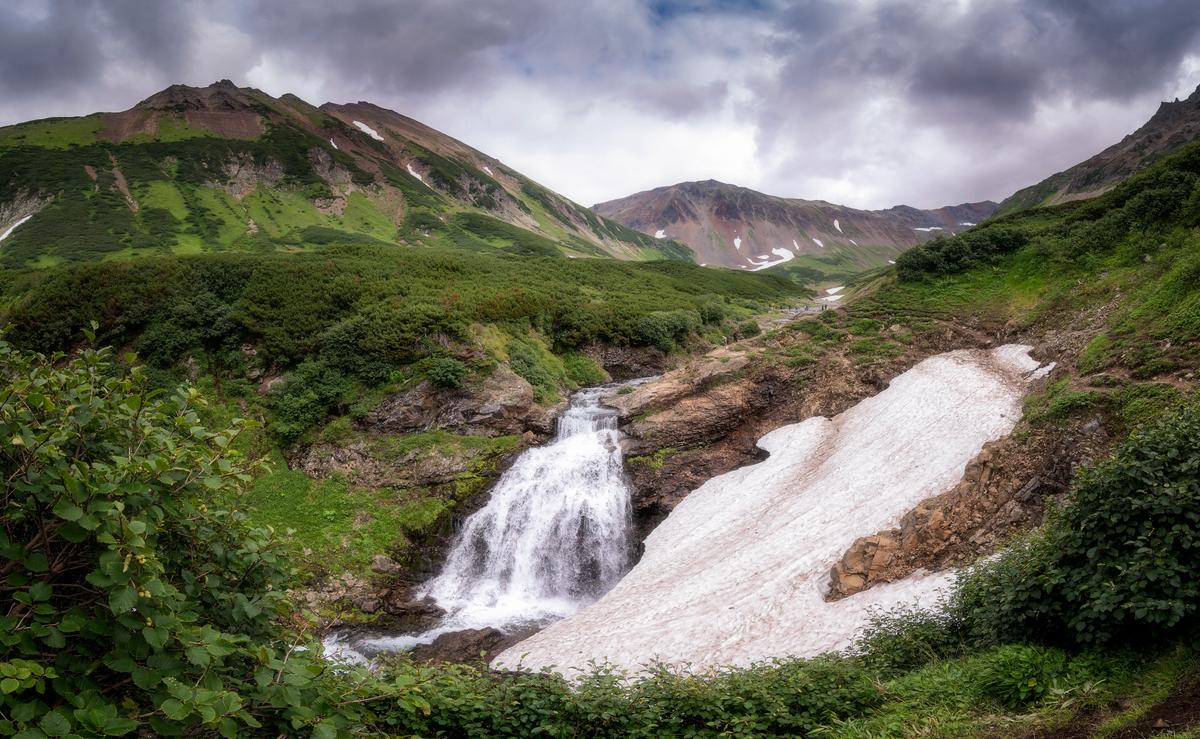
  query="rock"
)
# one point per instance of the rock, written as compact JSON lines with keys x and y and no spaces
{"x":365,"y":603}
{"x":501,"y":404}
{"x":384,"y":565}
{"x":408,"y":613}
{"x":471,"y":645}
{"x":628,"y":362}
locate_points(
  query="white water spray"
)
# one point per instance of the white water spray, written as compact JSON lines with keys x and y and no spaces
{"x":554,"y":537}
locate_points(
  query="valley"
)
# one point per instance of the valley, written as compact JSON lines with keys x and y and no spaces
{"x":322,"y":422}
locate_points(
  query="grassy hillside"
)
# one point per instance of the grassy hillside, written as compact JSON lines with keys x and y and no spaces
{"x":232,"y":169}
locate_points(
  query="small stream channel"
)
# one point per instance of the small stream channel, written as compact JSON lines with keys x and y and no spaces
{"x":554,"y":536}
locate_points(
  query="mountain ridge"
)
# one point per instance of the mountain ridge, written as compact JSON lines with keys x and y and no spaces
{"x":738,"y":227}
{"x":1172,"y":126}
{"x":229,"y":167}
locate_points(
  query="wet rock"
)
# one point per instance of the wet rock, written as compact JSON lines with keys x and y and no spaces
{"x":627,"y":362}
{"x":470,"y":645}
{"x":408,"y":613}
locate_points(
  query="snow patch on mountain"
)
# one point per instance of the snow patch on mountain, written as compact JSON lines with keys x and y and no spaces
{"x":838,"y":226}
{"x":414,"y":173}
{"x":927,"y":229}
{"x":660,"y":234}
{"x":13,"y":227}
{"x":368,"y":130}
{"x":783,"y":254}
{"x":818,"y":242}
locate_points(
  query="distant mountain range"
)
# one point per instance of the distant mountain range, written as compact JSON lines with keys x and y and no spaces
{"x":726,"y":225}
{"x":230,"y":168}
{"x":226,"y":167}
{"x":1173,"y":125}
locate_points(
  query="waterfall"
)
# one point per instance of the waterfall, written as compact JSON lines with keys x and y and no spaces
{"x":554,"y":536}
{"x":555,"y":533}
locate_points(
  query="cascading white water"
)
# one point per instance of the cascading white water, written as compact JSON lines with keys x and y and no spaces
{"x":554,"y":536}
{"x":555,"y":533}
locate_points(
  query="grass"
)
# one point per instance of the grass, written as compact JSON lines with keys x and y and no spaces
{"x":53,"y":133}
{"x":330,"y":527}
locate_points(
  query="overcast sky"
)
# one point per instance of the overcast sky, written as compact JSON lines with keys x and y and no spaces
{"x":873,"y":103}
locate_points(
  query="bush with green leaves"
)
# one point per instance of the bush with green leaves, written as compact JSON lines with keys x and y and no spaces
{"x":1117,"y":563}
{"x":305,"y":396}
{"x":1016,"y":675}
{"x":446,"y":372}
{"x":135,"y":601}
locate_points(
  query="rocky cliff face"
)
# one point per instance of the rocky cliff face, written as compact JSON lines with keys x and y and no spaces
{"x":737,"y":227}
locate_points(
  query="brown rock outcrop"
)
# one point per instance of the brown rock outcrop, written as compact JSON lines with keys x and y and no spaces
{"x":1003,"y":491}
{"x":501,"y":404}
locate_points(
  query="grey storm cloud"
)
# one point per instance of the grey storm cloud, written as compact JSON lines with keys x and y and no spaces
{"x":872,"y":102}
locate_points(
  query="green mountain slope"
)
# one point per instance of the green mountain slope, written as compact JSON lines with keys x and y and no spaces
{"x":1174,"y":125}
{"x":228,"y":168}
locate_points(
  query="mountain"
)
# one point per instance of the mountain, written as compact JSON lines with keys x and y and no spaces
{"x":1172,"y":126}
{"x":741,"y":228}
{"x":225,"y":167}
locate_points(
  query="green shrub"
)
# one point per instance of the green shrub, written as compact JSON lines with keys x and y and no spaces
{"x":138,"y":603}
{"x":904,"y":639}
{"x":582,"y":370}
{"x":305,"y":398}
{"x":1017,"y":675}
{"x":446,"y":372}
{"x":748,"y":328}
{"x":1117,"y":563}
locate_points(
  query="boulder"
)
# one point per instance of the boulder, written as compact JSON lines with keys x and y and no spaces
{"x":470,"y":645}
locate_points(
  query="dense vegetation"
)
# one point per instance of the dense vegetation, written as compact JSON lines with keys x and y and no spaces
{"x":358,"y":314}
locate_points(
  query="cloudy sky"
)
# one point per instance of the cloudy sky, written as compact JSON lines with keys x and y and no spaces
{"x":871,"y":103}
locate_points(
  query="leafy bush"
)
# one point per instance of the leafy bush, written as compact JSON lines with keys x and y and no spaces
{"x":137,"y":602}
{"x":904,"y":639}
{"x":957,"y":253}
{"x":446,"y":372}
{"x":748,"y":328}
{"x":1017,"y":675}
{"x":1117,"y":563}
{"x":582,"y":370}
{"x":305,"y":397}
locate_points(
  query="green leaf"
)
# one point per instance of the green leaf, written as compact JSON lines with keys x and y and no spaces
{"x":9,"y":685}
{"x":119,"y":726}
{"x":155,"y":636}
{"x":122,"y":599}
{"x":197,"y":656}
{"x":67,"y":510}
{"x":55,"y":724}
{"x":174,"y":710}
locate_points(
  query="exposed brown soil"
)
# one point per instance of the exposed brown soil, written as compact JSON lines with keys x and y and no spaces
{"x":123,"y":186}
{"x":234,"y":124}
{"x":125,"y":125}
{"x":1178,"y":712}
